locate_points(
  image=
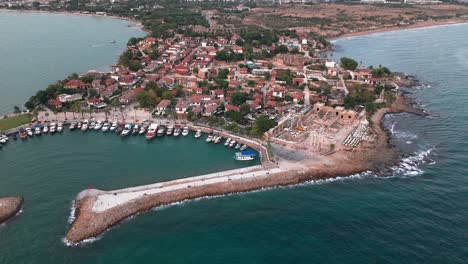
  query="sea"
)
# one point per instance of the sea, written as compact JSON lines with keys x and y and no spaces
{"x":418,"y":213}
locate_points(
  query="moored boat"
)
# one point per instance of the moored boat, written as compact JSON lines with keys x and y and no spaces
{"x":151,"y":131}
{"x":209,"y":138}
{"x":78,"y":125}
{"x":84,"y":126}
{"x":238,"y":146}
{"x":73,"y":125}
{"x":227,"y":142}
{"x":217,"y":139}
{"x":22,"y":133}
{"x":3,"y":139}
{"x":127,"y":130}
{"x":244,"y":147}
{"x":232,"y":144}
{"x":92,"y":124}
{"x":177,"y":131}
{"x":59,"y":127}
{"x":161,"y":131}
{"x":245,"y":155}
{"x":29,"y":131}
{"x":185,"y":131}
{"x":143,"y":130}
{"x":198,"y":134}
{"x":105,"y":127}
{"x":45,"y":129}
{"x":135,"y":130}
{"x":98,"y":125}
{"x":37,"y":130}
{"x":113,"y":126}
{"x":53,"y":127}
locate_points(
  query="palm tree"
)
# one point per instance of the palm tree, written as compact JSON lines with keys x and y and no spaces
{"x":76,"y":107}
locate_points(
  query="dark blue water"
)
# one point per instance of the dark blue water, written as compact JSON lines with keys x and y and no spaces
{"x":418,"y":214}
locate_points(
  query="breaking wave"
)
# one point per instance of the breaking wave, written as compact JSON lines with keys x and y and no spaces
{"x":411,"y":165}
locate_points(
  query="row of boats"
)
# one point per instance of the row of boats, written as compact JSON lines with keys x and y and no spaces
{"x":39,"y":130}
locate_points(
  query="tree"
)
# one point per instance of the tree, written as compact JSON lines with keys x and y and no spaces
{"x":348,"y":63}
{"x":239,"y":98}
{"x":281,"y":49}
{"x":16,"y":109}
{"x":167,"y":95}
{"x":76,"y":107}
{"x":244,"y":108}
{"x":262,"y":124}
{"x":235,"y":116}
{"x":92,"y":93}
{"x":145,"y":100}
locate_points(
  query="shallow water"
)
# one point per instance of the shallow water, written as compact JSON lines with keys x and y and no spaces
{"x":37,"y":49}
{"x":418,"y":214}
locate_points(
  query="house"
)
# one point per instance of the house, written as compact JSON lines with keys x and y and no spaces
{"x":76,"y":84}
{"x":182,"y":106}
{"x":231,"y":107}
{"x":163,"y":105}
{"x":218,"y":93}
{"x":195,"y":100}
{"x":127,"y":80}
{"x":65,"y":98}
{"x":127,"y":96}
{"x":332,"y":71}
{"x":54,"y":103}
{"x":210,"y":109}
{"x":109,"y":91}
{"x":278,"y":92}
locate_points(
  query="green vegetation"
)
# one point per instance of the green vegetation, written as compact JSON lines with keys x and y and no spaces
{"x":262,"y":124}
{"x":348,"y":63}
{"x":381,"y":72}
{"x":16,"y":121}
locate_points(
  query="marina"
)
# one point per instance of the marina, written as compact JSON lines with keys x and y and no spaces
{"x":123,"y":130}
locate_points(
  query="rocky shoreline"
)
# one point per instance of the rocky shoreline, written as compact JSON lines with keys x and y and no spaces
{"x":377,"y":157}
{"x":9,"y":207}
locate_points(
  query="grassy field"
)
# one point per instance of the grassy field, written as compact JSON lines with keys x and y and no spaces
{"x":12,"y":122}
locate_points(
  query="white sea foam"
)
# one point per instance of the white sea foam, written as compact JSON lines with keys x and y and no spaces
{"x":410,"y":166}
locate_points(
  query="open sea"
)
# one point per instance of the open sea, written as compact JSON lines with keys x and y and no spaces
{"x":417,"y":214}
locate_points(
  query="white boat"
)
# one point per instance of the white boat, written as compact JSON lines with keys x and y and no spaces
{"x":59,"y":127}
{"x":114,"y":126}
{"x":244,"y":147}
{"x":142,"y":130}
{"x":98,"y":125}
{"x":227,"y":142}
{"x":85,"y":125}
{"x":245,"y":155}
{"x":209,"y":138}
{"x":186,"y":131}
{"x":238,"y":146}
{"x":78,"y":125}
{"x":53,"y":127}
{"x":37,"y":130}
{"x":177,"y":131}
{"x":232,"y":144}
{"x":169,"y":130}
{"x":73,"y":125}
{"x":161,"y":131}
{"x":198,"y":134}
{"x":92,"y":125}
{"x":105,"y":127}
{"x":127,"y":130}
{"x":45,"y":129}
{"x":29,"y":131}
{"x":135,"y":130}
{"x":152,"y":131}
{"x":3,"y":139}
{"x":217,"y":139}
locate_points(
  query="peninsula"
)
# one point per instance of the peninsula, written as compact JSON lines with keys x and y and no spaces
{"x":222,"y":72}
{"x":9,"y":207}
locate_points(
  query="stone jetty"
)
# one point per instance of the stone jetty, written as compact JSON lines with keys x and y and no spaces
{"x":9,"y":207}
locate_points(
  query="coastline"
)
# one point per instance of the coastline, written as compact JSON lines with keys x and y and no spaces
{"x":95,"y":211}
{"x":135,"y":22}
{"x":424,"y":24}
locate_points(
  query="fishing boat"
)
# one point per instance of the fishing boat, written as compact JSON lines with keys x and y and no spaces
{"x":22,"y":133}
{"x":73,"y":125}
{"x":209,"y":138}
{"x":143,"y":130}
{"x":238,"y":146}
{"x":59,"y":127}
{"x":151,"y":131}
{"x":37,"y":130}
{"x":127,"y":130}
{"x":113,"y":126}
{"x":29,"y":132}
{"x":232,"y":144}
{"x":186,"y":131}
{"x":85,"y":125}
{"x":245,"y":155}
{"x":135,"y":130}
{"x":53,"y":127}
{"x":105,"y":127}
{"x":161,"y":131}
{"x":45,"y":129}
{"x":198,"y":134}
{"x":227,"y":142}
{"x":98,"y":125}
{"x":244,"y":147}
{"x":169,"y":130}
{"x":177,"y":131}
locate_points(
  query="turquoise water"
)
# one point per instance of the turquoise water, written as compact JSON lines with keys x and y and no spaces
{"x":418,"y":214}
{"x":37,"y":49}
